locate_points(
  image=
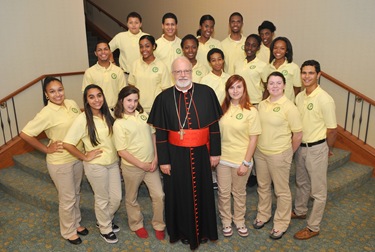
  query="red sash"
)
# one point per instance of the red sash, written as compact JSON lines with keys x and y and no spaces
{"x":190,"y":137}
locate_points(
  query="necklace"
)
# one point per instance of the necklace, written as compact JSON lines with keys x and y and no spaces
{"x":181,"y":126}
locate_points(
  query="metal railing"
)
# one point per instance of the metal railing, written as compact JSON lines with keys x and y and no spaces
{"x":20,"y":106}
{"x":100,"y":9}
{"x":355,"y":110}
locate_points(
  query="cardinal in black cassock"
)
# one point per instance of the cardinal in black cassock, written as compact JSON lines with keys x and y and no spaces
{"x":188,"y":144}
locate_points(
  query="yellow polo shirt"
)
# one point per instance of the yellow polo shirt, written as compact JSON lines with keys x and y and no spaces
{"x":128,"y":44}
{"x":111,"y":80}
{"x":78,"y":132}
{"x":55,"y":121}
{"x":236,"y":127}
{"x":133,"y":134}
{"x":292,"y":76}
{"x":254,"y":73}
{"x":217,"y":83}
{"x":264,"y":54}
{"x":203,"y":49}
{"x":318,"y":114}
{"x":167,"y":51}
{"x":150,"y":79}
{"x":278,"y":119}
{"x":199,"y":71}
{"x":233,"y":51}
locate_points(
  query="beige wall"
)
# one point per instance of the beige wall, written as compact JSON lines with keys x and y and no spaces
{"x":40,"y":37}
{"x":338,"y":33}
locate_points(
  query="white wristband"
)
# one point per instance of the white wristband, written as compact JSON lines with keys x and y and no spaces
{"x":247,"y":164}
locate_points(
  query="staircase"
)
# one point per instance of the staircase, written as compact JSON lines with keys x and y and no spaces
{"x":92,"y":40}
{"x":28,"y":180}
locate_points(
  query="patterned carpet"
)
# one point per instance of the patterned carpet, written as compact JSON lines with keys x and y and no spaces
{"x":348,"y":225}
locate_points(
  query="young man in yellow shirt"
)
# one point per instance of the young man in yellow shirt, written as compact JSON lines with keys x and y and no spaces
{"x":319,"y":127}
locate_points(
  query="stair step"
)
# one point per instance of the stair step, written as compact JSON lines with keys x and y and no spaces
{"x":338,"y":158}
{"x":34,"y":163}
{"x":42,"y":193}
{"x":347,"y":177}
{"x":34,"y":185}
{"x":36,"y":191}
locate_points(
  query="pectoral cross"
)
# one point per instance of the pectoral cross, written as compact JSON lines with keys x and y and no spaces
{"x":182,"y":133}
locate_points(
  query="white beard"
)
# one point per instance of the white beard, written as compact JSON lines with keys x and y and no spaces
{"x":183,"y":83}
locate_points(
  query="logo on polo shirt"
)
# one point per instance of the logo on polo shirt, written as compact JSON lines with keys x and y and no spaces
{"x":243,"y":47}
{"x":253,"y":66}
{"x":276,"y":109}
{"x":212,"y":46}
{"x":114,"y":76}
{"x":155,"y":69}
{"x":75,"y":110}
{"x":199,"y":73}
{"x":143,"y":117}
{"x":284,"y":72}
{"x":178,"y":51}
{"x":310,"y":106}
{"x":239,"y":116}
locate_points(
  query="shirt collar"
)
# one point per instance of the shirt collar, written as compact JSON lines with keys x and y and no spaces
{"x":315,"y":92}
{"x":55,"y":106}
{"x":279,"y":101}
{"x":136,"y":113}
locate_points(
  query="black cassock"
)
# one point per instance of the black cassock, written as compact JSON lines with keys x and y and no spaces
{"x":189,"y":197}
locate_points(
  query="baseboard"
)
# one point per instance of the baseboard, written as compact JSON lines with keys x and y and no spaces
{"x":360,"y":152}
{"x":15,"y":146}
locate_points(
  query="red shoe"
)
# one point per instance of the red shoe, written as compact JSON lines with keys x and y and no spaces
{"x":160,"y":235}
{"x":142,"y":233}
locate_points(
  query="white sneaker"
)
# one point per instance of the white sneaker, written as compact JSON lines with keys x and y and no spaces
{"x":110,"y":237}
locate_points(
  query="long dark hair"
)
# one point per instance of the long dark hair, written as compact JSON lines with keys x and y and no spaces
{"x":245,"y":99}
{"x":47,"y":81}
{"x":119,"y":108}
{"x":89,"y":116}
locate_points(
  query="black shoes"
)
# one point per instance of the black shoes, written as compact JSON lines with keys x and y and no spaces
{"x":76,"y":241}
{"x":201,"y":241}
{"x":185,"y":241}
{"x":83,"y":232}
{"x":115,"y":228}
{"x":215,"y":186}
{"x":110,"y":237}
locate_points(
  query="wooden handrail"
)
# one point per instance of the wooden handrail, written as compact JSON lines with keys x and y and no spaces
{"x":108,"y":14}
{"x":33,"y":82}
{"x":346,"y":87}
{"x":97,"y":30}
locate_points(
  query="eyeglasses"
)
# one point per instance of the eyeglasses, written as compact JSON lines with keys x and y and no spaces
{"x":179,"y":72}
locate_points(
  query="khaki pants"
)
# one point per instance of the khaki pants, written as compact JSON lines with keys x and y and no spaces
{"x":311,"y":180}
{"x":67,"y":179}
{"x":106,"y":184}
{"x":230,"y":183}
{"x":133,"y":177}
{"x":274,"y":169}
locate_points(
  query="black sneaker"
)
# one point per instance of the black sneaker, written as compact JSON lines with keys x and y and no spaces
{"x":110,"y":237}
{"x":115,"y":228}
{"x":214,"y":185}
